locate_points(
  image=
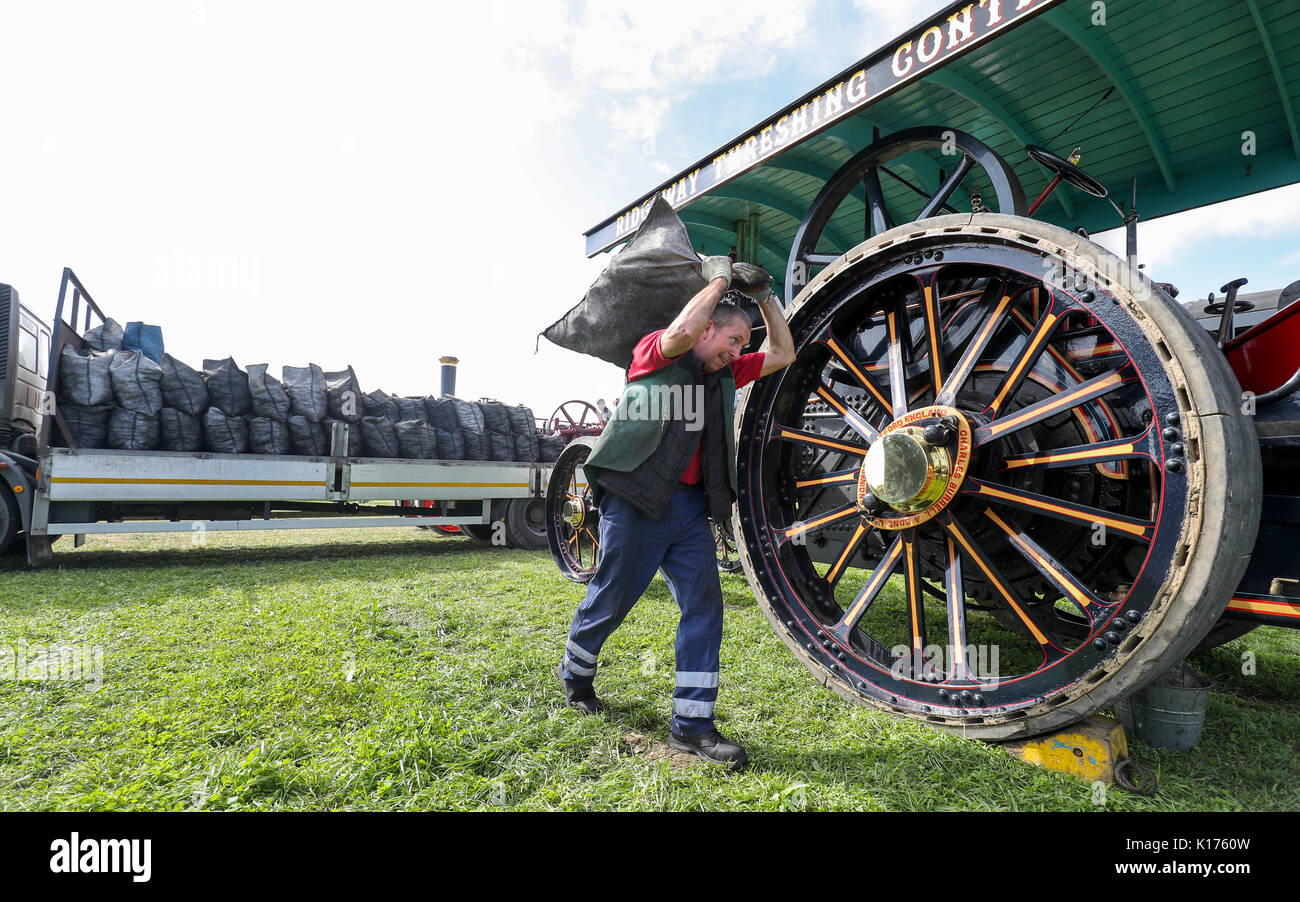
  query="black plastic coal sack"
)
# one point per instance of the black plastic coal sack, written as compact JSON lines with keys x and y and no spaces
{"x":641,"y":290}
{"x":227,"y":387}
{"x":223,"y":434}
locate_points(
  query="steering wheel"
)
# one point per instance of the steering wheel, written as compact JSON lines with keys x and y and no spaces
{"x":1066,"y":170}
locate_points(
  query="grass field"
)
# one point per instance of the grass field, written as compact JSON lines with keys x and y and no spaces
{"x":400,"y":670}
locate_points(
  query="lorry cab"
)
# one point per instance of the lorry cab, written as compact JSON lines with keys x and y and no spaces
{"x":24,"y":365}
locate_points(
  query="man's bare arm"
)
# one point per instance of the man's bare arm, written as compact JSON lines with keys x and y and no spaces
{"x":685,"y":330}
{"x":779,"y":352}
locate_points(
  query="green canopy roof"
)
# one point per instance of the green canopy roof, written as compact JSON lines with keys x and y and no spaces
{"x":1197,"y":100}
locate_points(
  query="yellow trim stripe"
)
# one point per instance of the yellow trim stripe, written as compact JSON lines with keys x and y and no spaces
{"x":964,"y":367}
{"x":932,"y":328}
{"x":114,"y":480}
{"x":897,"y":377}
{"x":856,"y":420}
{"x":443,"y":485}
{"x":1259,"y":606}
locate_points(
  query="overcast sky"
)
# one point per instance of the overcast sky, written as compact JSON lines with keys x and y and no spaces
{"x":381,"y":185}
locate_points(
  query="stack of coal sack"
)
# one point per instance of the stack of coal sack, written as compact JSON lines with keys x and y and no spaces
{"x":142,"y":399}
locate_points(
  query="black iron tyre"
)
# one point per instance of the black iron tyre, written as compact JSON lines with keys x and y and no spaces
{"x":572,"y":519}
{"x":1003,"y":303}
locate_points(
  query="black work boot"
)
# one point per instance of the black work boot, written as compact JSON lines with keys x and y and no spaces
{"x":580,"y":698}
{"x":711,"y":746}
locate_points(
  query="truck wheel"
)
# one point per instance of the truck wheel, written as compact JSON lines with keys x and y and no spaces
{"x":526,"y":523}
{"x":11,"y":520}
{"x":989,"y":415}
{"x":480,"y":531}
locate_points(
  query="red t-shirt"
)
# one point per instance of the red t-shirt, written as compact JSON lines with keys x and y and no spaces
{"x":647,"y":357}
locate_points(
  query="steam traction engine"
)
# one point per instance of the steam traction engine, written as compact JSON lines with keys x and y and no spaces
{"x":1008,"y":479}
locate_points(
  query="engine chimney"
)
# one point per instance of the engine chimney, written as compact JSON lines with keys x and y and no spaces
{"x":448,"y":375}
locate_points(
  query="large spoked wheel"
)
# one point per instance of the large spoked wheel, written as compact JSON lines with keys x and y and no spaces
{"x":991,"y":493}
{"x":572,"y":519}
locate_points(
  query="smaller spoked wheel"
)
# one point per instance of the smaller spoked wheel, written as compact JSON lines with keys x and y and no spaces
{"x":572,"y":519}
{"x":575,"y":418}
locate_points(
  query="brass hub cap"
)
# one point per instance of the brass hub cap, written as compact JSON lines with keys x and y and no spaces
{"x":574,"y":512}
{"x":915,"y":478}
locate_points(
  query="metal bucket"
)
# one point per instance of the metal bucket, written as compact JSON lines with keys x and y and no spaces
{"x":1170,"y":712}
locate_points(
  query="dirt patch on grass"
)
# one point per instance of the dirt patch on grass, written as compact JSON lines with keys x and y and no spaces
{"x":654,"y":750}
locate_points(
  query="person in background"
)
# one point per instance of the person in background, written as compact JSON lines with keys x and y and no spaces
{"x":604,"y":411}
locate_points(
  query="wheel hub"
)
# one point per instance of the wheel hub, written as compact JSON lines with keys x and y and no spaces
{"x":915,"y":467}
{"x":575,"y":512}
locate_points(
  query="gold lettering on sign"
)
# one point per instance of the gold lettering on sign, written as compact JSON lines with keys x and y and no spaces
{"x":960,"y":23}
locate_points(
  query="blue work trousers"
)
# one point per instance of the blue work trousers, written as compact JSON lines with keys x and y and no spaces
{"x":633,"y":547}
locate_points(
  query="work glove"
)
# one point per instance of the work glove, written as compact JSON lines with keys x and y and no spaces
{"x":716,"y":267}
{"x":754,"y":282}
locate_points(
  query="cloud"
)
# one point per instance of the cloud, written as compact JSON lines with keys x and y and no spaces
{"x":670,"y":45}
{"x":639,"y":120}
{"x":891,"y":20}
{"x":1171,"y":239}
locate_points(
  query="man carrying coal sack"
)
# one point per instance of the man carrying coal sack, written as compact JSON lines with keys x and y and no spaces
{"x":663,"y":465}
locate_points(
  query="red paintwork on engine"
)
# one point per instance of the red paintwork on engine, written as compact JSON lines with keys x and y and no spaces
{"x":1268,"y":354}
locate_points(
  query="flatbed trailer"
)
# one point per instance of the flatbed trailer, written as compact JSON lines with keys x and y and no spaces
{"x":74,"y":491}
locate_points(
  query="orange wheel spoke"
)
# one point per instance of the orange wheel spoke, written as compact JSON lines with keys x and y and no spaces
{"x":869,"y":592}
{"x":851,"y":416}
{"x":1079,"y":514}
{"x":1029,"y":354}
{"x":1050,"y":407}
